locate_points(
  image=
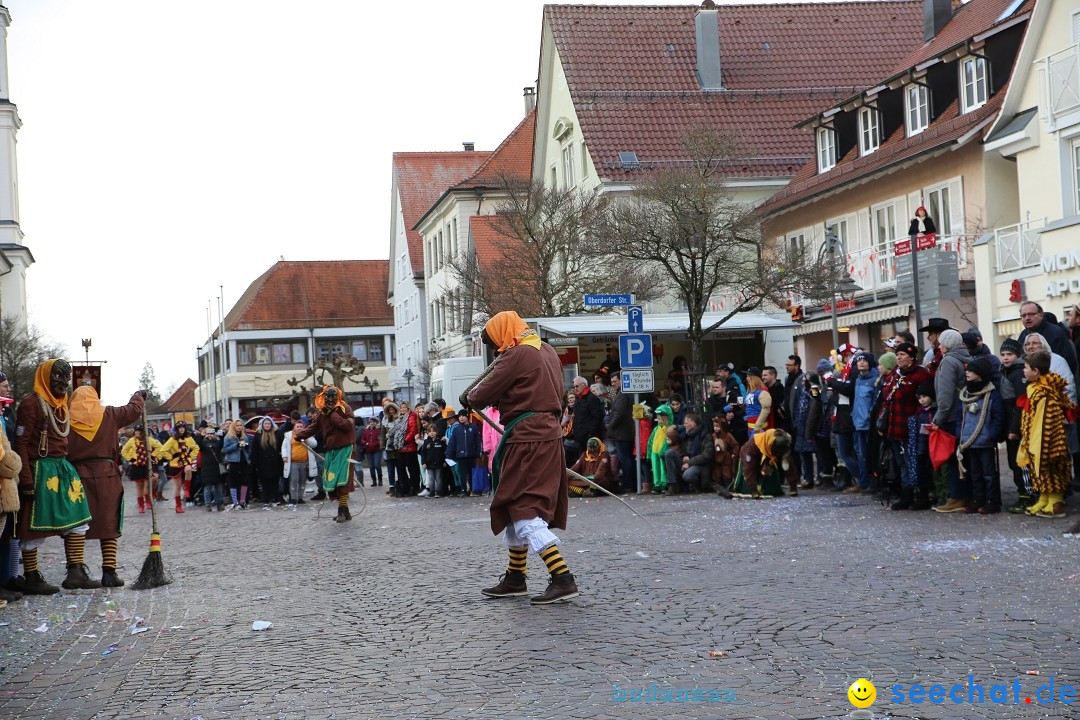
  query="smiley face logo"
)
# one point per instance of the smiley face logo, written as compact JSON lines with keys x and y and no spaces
{"x":862,"y":693}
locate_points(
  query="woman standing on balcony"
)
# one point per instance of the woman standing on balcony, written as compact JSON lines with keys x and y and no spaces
{"x":922,"y":225}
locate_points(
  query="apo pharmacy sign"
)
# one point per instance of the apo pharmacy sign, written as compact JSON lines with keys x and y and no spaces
{"x":1056,"y":266}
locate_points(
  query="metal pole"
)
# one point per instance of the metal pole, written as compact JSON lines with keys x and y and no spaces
{"x":831,"y":239}
{"x":915,"y":278}
{"x":637,"y":445}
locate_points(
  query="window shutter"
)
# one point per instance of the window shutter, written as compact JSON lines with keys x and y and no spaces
{"x":1076,"y":27}
{"x":914,"y":200}
{"x":817,"y":239}
{"x":901,"y":219}
{"x":956,"y":206}
{"x":860,"y":233}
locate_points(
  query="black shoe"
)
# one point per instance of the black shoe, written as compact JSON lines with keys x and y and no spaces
{"x":78,"y":578}
{"x":109,"y":578}
{"x":16,"y":583}
{"x":301,"y":501}
{"x":346,"y":516}
{"x":511,"y":584}
{"x":321,"y":495}
{"x":34,"y":584}
{"x":9,"y":595}
{"x":906,"y":498}
{"x":561,"y":588}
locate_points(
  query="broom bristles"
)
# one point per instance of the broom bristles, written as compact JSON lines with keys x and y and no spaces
{"x":153,"y":573}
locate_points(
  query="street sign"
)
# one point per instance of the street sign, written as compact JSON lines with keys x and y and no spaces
{"x":635,"y":351}
{"x":637,"y":381}
{"x":635,"y":319}
{"x":608,"y":300}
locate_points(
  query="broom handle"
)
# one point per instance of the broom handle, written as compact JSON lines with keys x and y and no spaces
{"x":149,"y":468}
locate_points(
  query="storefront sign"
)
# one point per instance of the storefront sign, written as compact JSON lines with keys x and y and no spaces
{"x":841,"y":306}
{"x":1061,"y":263}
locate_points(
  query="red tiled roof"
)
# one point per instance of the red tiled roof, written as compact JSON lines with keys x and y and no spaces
{"x":512,"y":157}
{"x":322,"y":293}
{"x":182,"y":399}
{"x":632,"y":73}
{"x":971,"y":19}
{"x":422,"y":177}
{"x":946,"y":130}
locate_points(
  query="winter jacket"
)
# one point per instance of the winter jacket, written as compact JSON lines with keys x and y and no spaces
{"x":947,"y":383}
{"x":370,"y":439}
{"x":699,"y":448}
{"x":866,"y":391}
{"x":588,"y":418}
{"x":1058,"y":339}
{"x":993,"y":426}
{"x":180,"y":451}
{"x":210,"y":458}
{"x":286,"y":455}
{"x":265,"y":459}
{"x":433,"y":452}
{"x":621,"y":425}
{"x":844,"y":392}
{"x":464,"y":442}
{"x":234,"y":453}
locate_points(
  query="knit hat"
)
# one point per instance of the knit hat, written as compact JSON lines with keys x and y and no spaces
{"x":926,"y":387}
{"x":868,"y":357}
{"x":950,"y":340}
{"x":981,"y":367}
{"x":1013,"y":346}
{"x":906,"y":348}
{"x":887,"y":361}
{"x":823,"y":366}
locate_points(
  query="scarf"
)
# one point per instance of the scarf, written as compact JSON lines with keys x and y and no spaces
{"x":140,"y":453}
{"x":970,"y":396}
{"x":593,"y":457}
{"x":506,"y":329}
{"x":397,"y":431}
{"x":41,"y":388}
{"x":764,"y":442}
{"x":320,"y":399}
{"x":86,"y":412}
{"x":1042,"y":425}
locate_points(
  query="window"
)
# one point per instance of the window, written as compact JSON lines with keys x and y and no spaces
{"x":826,"y":148}
{"x":918,"y":109}
{"x":884,"y":224}
{"x":584,"y":161}
{"x":455,"y":238}
{"x":839,"y":228}
{"x":939,"y":207}
{"x":554,"y":178}
{"x":795,"y":244}
{"x":358,"y":349}
{"x":375,"y":350}
{"x":1076,"y":175}
{"x":869,"y":133}
{"x":244,"y":354}
{"x":568,"y":164}
{"x":973,"y":82}
{"x":278,"y":353}
{"x":282,"y":353}
{"x":439,"y":252}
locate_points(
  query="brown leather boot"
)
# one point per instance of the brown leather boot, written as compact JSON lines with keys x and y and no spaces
{"x":646,"y":489}
{"x":34,"y":584}
{"x":109,"y":578}
{"x":561,"y":588}
{"x":78,"y":578}
{"x":511,"y":584}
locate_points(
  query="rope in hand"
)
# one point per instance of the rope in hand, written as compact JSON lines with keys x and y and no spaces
{"x":480,"y":378}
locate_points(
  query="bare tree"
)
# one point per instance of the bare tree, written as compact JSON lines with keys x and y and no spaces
{"x":22,"y":349}
{"x":544,"y":260}
{"x":687,"y":225}
{"x":339,"y":368}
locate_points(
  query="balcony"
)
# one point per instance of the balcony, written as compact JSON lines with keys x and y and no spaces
{"x":1018,"y":245}
{"x":1061,"y":87}
{"x":874,"y":268}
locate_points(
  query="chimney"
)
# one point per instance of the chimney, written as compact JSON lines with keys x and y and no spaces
{"x":708,"y":46}
{"x":530,"y":99}
{"x":469,"y":146}
{"x":936,"y":15}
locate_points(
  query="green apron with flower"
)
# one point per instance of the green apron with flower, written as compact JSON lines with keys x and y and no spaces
{"x":59,"y":497}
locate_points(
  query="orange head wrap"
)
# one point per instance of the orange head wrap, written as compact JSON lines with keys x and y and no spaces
{"x":507,"y":329}
{"x":42,"y":378}
{"x":86,"y":411}
{"x":320,"y":399}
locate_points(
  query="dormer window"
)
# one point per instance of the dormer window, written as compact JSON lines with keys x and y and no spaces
{"x":826,"y":149}
{"x":869,"y":131}
{"x":917,"y":104}
{"x":974,"y":88}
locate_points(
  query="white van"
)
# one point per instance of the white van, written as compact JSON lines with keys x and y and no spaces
{"x":451,"y":376}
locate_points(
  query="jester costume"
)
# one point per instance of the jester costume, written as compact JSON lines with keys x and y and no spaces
{"x":762,"y":459}
{"x":1044,"y":447}
{"x":530,"y":495}
{"x":182,"y":452}
{"x":53,"y":498}
{"x":334,"y":422}
{"x":657,"y":446}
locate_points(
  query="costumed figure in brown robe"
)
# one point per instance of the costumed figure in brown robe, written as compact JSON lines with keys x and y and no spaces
{"x":53,"y":499}
{"x":530,"y":496}
{"x":334,"y":422}
{"x":92,"y":449}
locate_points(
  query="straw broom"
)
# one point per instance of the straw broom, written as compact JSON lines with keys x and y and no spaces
{"x":153,"y":573}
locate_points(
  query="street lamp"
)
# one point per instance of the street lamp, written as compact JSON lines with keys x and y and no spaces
{"x":845,"y":285}
{"x":408,"y":375}
{"x":372,"y":386}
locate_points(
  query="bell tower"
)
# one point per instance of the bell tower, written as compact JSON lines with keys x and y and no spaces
{"x":15,"y":257}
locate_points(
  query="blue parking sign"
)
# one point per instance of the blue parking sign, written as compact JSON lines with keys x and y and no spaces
{"x":635,"y":351}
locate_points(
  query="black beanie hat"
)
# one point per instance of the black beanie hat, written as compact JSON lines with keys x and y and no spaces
{"x":981,"y":367}
{"x":1012,"y":346}
{"x":926,"y":387}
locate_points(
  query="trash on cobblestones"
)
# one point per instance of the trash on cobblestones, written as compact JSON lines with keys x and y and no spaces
{"x":115,"y":614}
{"x":4,"y":624}
{"x":111,"y":649}
{"x":137,"y":630}
{"x":1032,"y":672}
{"x":582,"y":551}
{"x":695,"y":542}
{"x":261,"y":597}
{"x":787,"y":518}
{"x":43,"y":627}
{"x":261,"y":625}
{"x":718,"y":653}
{"x":72,"y":605}
{"x":1071,"y":577}
{"x":641,"y":554}
{"x":974,"y":557}
{"x":135,"y":626}
{"x":176,"y":627}
{"x":88,"y":636}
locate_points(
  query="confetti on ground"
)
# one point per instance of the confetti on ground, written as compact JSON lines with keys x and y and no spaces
{"x":261,"y":625}
{"x":695,"y":542}
{"x":641,"y":554}
{"x":718,"y":653}
{"x":44,"y":627}
{"x":1032,"y":672}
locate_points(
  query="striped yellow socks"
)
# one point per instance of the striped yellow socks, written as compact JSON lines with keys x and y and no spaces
{"x":108,"y":553}
{"x":518,"y":557}
{"x":29,"y":558}
{"x":343,"y":500}
{"x":75,"y":548}
{"x":554,"y":561}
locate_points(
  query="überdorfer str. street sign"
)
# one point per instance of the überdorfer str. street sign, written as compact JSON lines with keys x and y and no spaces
{"x":608,"y":300}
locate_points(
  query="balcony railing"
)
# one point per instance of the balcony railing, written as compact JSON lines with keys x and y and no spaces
{"x":1061,"y":84}
{"x":1018,"y":245}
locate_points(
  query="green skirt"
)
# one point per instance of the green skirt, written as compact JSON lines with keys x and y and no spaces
{"x":336,"y":468}
{"x":59,"y":497}
{"x":767,"y":487}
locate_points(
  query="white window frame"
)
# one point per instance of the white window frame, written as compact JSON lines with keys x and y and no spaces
{"x":554,"y":177}
{"x":941,"y":212}
{"x":584,"y":161}
{"x":840,"y":227}
{"x":568,"y":164}
{"x":826,"y":149}
{"x":875,"y":227}
{"x":917,"y":108}
{"x":978,"y":86}
{"x":1075,"y":156}
{"x":869,"y":130}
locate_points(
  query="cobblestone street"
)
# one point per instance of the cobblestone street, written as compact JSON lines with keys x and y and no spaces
{"x":382,"y":617}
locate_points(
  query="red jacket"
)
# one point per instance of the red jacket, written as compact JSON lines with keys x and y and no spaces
{"x":900,"y":400}
{"x":369,"y":439}
{"x":412,"y":429}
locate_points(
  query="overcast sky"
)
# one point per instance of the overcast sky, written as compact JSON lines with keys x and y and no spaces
{"x":169,"y":148}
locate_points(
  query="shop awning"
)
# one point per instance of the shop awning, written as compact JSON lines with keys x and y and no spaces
{"x":1008,"y":327}
{"x":866,"y":317}
{"x":659,"y":324}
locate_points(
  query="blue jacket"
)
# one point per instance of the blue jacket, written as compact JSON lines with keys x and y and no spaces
{"x":865,"y":395}
{"x":994,"y":427}
{"x":232,"y":450}
{"x":464,"y":442}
